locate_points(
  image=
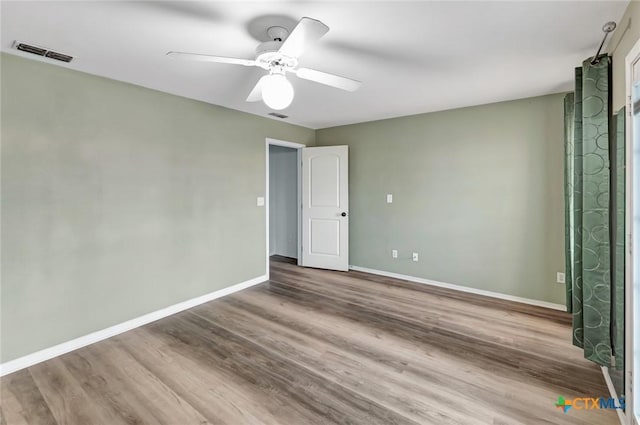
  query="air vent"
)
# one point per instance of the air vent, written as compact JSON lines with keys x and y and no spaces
{"x":59,"y":56}
{"x":277,"y":115}
{"x":31,"y":49}
{"x":41,"y":51}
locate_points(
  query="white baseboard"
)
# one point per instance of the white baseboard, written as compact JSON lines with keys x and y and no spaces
{"x":461,"y":288}
{"x":613,"y":393}
{"x":74,"y":344}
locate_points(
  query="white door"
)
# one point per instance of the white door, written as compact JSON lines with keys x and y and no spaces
{"x":325,"y":207}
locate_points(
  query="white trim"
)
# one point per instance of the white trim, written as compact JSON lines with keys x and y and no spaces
{"x":461,"y":288}
{"x":613,"y":393}
{"x":298,"y":146}
{"x":631,"y":313}
{"x":284,"y":143}
{"x":299,"y":205}
{"x":74,"y":344}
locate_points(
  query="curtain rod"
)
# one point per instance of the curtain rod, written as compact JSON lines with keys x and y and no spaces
{"x":606,"y":28}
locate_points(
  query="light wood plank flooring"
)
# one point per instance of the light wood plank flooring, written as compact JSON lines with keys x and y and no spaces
{"x":319,"y":347}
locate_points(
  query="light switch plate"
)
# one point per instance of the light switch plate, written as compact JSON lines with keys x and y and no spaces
{"x":415,"y":256}
{"x":260,"y":201}
{"x":394,"y":253}
{"x":389,"y":198}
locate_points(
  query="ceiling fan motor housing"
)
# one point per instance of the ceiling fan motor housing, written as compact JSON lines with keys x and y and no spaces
{"x":267,"y":53}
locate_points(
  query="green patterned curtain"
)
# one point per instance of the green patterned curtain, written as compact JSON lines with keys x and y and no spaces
{"x":587,"y":211}
{"x":619,"y":262}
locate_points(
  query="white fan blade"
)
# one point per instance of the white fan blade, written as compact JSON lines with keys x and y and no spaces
{"x":209,"y":58}
{"x":306,"y":32}
{"x":256,"y":93}
{"x":328,"y":79}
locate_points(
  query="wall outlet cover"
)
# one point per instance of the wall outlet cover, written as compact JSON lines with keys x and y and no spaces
{"x":394,"y":253}
{"x":415,"y":256}
{"x":560,"y":277}
{"x":260,"y":201}
{"x":389,"y":198}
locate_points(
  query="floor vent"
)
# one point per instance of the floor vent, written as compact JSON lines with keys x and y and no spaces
{"x":277,"y":115}
{"x":41,"y":51}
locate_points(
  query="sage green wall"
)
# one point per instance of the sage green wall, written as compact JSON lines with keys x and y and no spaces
{"x":477,"y":192}
{"x":118,"y":201}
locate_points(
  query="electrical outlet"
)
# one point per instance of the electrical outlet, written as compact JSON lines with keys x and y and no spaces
{"x":560,"y":277}
{"x":389,"y":198}
{"x":415,"y":256}
{"x":260,"y":201}
{"x":394,"y":253}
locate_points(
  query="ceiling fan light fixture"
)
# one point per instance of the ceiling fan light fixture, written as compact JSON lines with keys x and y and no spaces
{"x":279,"y":55}
{"x":277,"y":92}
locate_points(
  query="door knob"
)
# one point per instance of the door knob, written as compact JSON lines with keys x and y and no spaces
{"x":344,"y":214}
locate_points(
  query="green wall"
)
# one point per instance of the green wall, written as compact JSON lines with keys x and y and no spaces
{"x":477,"y":192}
{"x":118,"y":201}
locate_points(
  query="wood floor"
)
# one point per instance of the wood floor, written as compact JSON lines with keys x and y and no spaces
{"x":318,"y":347}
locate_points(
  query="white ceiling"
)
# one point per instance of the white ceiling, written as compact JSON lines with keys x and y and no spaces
{"x":412,"y":57}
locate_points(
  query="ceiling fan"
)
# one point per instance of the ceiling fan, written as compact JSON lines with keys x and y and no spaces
{"x":280,"y":56}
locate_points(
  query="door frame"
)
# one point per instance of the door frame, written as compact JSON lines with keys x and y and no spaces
{"x":631,"y":315}
{"x":298,"y":147}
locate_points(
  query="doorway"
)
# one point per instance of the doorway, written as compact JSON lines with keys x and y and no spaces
{"x":283,"y":199}
{"x":313,"y":213}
